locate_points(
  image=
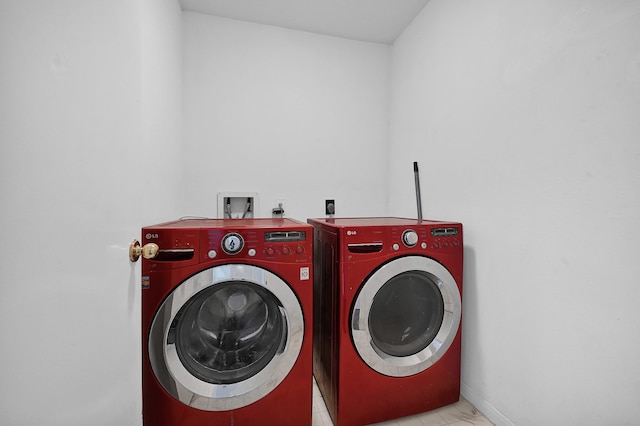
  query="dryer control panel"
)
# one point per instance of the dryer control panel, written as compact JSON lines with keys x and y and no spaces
{"x":410,"y":238}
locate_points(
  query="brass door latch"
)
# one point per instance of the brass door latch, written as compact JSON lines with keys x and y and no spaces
{"x":148,"y":251}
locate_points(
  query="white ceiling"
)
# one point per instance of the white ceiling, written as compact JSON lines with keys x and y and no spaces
{"x":379,"y":21}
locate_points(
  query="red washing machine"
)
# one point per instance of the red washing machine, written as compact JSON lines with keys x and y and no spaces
{"x":387,"y":312}
{"x":227,"y":323}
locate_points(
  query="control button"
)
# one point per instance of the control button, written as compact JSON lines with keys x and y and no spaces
{"x":212,"y":254}
{"x":396,"y":247}
{"x":423,"y":245}
{"x":232,"y":243}
{"x":285,"y":250}
{"x":299,"y":250}
{"x":270,"y":251}
{"x":436,"y":244}
{"x":252,"y":252}
{"x":410,"y":238}
{"x":456,"y":243}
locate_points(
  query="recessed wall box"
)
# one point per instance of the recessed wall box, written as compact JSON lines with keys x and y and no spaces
{"x":237,"y":205}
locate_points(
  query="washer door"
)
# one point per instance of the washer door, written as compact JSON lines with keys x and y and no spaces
{"x":406,"y":316}
{"x":226,"y":337}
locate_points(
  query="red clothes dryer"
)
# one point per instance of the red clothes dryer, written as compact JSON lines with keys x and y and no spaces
{"x":387,"y":312}
{"x":226,"y":323}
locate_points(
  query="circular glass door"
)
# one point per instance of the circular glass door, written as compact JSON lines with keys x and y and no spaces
{"x":226,"y":337}
{"x":406,"y":316}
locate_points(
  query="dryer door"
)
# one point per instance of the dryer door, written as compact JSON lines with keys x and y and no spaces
{"x":226,"y":337}
{"x":406,"y":316}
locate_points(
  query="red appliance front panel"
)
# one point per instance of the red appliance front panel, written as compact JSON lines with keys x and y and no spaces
{"x":290,"y":402}
{"x":358,"y":247}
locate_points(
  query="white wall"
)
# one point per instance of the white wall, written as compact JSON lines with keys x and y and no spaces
{"x":92,"y":150}
{"x":159,"y":173}
{"x":85,"y":114}
{"x":524,"y":120}
{"x":287,"y":114}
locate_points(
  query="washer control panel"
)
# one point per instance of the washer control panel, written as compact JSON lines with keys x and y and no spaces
{"x":189,"y":241}
{"x":280,"y":245}
{"x":284,"y":243}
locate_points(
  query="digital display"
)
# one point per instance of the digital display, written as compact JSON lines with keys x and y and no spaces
{"x":282,"y":236}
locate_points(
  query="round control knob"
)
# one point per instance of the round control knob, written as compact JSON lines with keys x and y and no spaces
{"x":285,"y":250}
{"x":232,"y":243}
{"x":299,"y":250}
{"x":410,"y":238}
{"x":270,"y":251}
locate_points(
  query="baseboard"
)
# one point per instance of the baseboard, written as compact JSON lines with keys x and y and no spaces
{"x":487,"y":409}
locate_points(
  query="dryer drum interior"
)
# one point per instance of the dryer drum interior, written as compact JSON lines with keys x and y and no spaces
{"x":406,"y":316}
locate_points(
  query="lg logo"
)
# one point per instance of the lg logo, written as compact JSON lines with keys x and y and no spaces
{"x":352,"y":233}
{"x":151,"y":236}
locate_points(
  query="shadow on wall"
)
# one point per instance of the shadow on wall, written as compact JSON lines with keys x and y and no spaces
{"x":471,"y":356}
{"x":470,"y":316}
{"x":473,"y":371}
{"x":133,"y":274}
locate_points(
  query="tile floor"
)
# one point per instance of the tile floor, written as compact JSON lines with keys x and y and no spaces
{"x":462,"y":413}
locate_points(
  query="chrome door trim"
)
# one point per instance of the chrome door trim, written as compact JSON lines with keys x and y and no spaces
{"x":404,"y":366}
{"x":186,"y":388}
